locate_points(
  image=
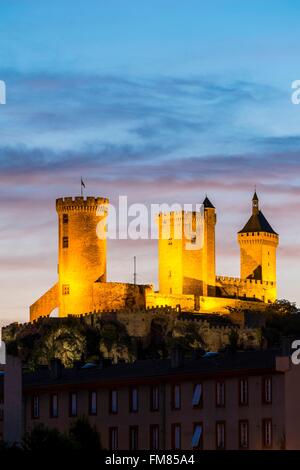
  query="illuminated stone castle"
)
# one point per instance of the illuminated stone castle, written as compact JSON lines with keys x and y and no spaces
{"x":187,"y":278}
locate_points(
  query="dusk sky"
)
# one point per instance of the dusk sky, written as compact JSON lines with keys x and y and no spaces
{"x":163,"y":101}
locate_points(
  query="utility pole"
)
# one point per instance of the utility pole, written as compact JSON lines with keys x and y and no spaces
{"x":134,"y":270}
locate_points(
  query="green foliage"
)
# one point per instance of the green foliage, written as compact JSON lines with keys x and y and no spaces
{"x":84,"y":436}
{"x":44,"y":439}
{"x":281,"y":307}
{"x":73,"y":339}
{"x":81,"y":437}
{"x":233,"y":340}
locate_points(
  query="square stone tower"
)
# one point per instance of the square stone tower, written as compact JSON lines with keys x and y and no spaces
{"x":187,"y":252}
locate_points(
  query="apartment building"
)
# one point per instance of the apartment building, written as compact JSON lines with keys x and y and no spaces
{"x":245,"y":400}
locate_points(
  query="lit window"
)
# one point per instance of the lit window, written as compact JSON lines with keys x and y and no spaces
{"x":65,"y":242}
{"x":154,"y":437}
{"x":267,"y":390}
{"x":176,"y":397}
{"x":73,"y":404}
{"x":134,"y":400}
{"x":197,"y":438}
{"x":133,"y":438}
{"x":267,"y":432}
{"x":113,"y":401}
{"x":243,"y":392}
{"x":220,"y":435}
{"x":243,"y":434}
{"x":176,"y":437}
{"x":54,"y":406}
{"x":93,"y":403}
{"x":65,"y":289}
{"x":154,"y":406}
{"x":35,"y":407}
{"x":220,"y":394}
{"x":197,"y":396}
{"x":113,"y":438}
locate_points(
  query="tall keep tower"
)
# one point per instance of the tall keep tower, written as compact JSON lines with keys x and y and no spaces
{"x":81,"y":253}
{"x":187,"y":262}
{"x":258,"y":242}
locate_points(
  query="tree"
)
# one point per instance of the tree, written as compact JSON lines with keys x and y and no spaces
{"x":43,"y":439}
{"x":85,"y":436}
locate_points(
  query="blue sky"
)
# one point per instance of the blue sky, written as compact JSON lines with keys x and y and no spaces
{"x":163,"y":101}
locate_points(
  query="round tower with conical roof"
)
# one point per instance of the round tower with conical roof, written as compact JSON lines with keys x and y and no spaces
{"x":258,"y":243}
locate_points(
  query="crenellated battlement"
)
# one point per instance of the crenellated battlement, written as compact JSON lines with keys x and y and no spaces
{"x":242,"y":282}
{"x":67,"y":204}
{"x":248,"y":237}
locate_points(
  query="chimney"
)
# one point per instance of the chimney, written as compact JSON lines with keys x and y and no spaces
{"x":177,"y":357}
{"x":285,"y":345}
{"x":56,"y":368}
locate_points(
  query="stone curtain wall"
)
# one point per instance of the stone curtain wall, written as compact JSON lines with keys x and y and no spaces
{"x":45,"y":304}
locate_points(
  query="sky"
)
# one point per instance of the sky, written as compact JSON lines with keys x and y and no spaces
{"x":162,"y":101}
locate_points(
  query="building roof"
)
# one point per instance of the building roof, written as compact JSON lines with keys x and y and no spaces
{"x":239,"y":363}
{"x":257,"y":223}
{"x":208,"y":204}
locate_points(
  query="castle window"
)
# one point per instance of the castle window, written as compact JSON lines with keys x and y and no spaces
{"x":65,"y":289}
{"x":54,"y":405}
{"x":113,"y":438}
{"x":197,"y":439}
{"x":220,"y":394}
{"x":154,"y":437}
{"x":170,"y":273}
{"x":267,"y":433}
{"x":113,"y":401}
{"x":134,"y":400}
{"x":35,"y":407}
{"x":65,"y":218}
{"x":154,"y":398}
{"x":73,"y":404}
{"x":170,"y":241}
{"x":133,"y":437}
{"x":65,"y":242}
{"x":243,"y":434}
{"x":176,"y":436}
{"x":243,"y":392}
{"x":176,"y":397}
{"x":267,"y":390}
{"x":93,"y":403}
{"x":197,"y":396}
{"x":220,"y":434}
{"x":193,"y":240}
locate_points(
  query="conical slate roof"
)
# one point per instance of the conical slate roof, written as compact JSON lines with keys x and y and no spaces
{"x":257,"y":223}
{"x":207,"y":203}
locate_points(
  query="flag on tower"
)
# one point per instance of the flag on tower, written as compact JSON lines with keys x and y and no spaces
{"x":82,"y":185}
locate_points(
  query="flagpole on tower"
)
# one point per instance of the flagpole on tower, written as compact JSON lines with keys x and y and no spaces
{"x":82,"y":185}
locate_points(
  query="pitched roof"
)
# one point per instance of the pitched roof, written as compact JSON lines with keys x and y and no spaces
{"x":257,"y":223}
{"x":223,"y":363}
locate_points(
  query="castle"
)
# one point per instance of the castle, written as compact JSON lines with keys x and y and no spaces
{"x":187,"y":278}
